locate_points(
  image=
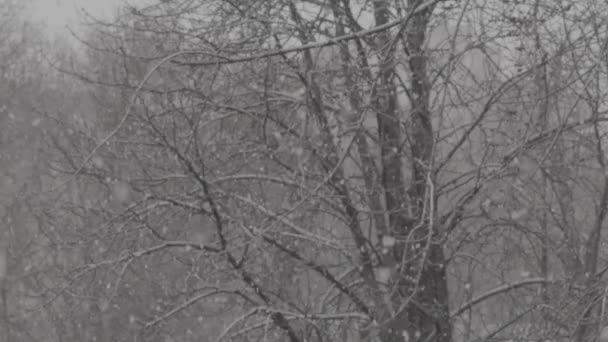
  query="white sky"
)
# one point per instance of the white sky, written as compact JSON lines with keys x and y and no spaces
{"x":56,"y":15}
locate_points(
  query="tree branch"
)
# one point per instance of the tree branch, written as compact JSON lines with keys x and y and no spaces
{"x":497,"y":291}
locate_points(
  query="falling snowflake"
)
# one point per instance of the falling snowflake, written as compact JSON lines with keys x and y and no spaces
{"x":97,"y":161}
{"x":486,"y":204}
{"x":103,"y":305}
{"x":383,"y":274}
{"x":604,"y":335}
{"x":388,"y":241}
{"x":298,"y":151}
{"x":517,"y":214}
{"x":2,"y":262}
{"x":121,"y":191}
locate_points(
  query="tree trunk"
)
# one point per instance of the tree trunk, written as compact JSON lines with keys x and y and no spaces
{"x":420,"y":309}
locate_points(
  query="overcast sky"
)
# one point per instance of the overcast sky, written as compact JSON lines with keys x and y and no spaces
{"x":57,"y":14}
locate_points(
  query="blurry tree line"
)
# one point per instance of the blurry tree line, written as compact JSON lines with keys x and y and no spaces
{"x":280,"y":170}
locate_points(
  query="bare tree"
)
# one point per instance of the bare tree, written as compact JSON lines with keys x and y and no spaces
{"x":339,"y":170}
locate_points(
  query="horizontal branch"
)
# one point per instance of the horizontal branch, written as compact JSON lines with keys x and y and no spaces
{"x":496,"y":291}
{"x":182,"y":307}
